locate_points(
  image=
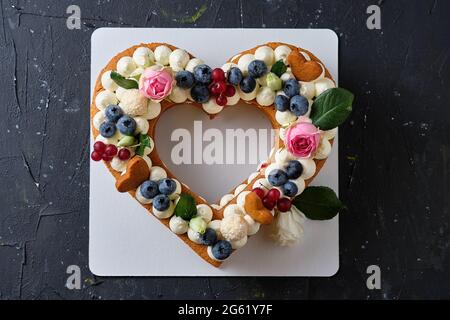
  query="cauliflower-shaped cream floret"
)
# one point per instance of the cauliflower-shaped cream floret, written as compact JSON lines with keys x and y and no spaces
{"x":233,"y":227}
{"x":133,"y":103}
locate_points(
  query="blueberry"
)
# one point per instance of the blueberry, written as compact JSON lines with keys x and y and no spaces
{"x":277,"y":178}
{"x":248,"y":84}
{"x":113,"y":113}
{"x":149,"y":189}
{"x":234,"y":76}
{"x":203,"y":74}
{"x":299,"y":105}
{"x":289,"y":189}
{"x":282,"y":103}
{"x":209,"y":238}
{"x":126,"y":125}
{"x":107,"y":129}
{"x":161,"y":202}
{"x":294,"y":169}
{"x":291,"y":88}
{"x":167,"y":186}
{"x":200,"y":93}
{"x":222,"y":250}
{"x":185,"y":79}
{"x":257,"y":68}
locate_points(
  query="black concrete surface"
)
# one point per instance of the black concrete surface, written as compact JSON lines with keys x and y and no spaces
{"x":395,"y":150}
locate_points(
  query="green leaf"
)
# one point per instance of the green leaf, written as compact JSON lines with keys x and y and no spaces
{"x":279,"y":68}
{"x":186,"y":207}
{"x":144,"y":142}
{"x":318,"y":203}
{"x":123,"y":82}
{"x":332,"y":108}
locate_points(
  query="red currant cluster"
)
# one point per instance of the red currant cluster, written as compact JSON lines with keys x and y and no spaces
{"x":273,"y":199}
{"x":219,"y":88}
{"x":108,"y":152}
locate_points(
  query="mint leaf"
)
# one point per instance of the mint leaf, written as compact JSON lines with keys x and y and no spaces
{"x":144,"y":142}
{"x":331,"y":108}
{"x":318,"y":203}
{"x":123,"y":82}
{"x":279,"y":68}
{"x":186,"y":207}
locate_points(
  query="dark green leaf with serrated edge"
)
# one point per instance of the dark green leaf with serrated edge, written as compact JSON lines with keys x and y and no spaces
{"x":186,"y":207}
{"x":123,"y":82}
{"x":279,"y":68}
{"x":144,"y":142}
{"x":318,"y":203}
{"x":332,"y":108}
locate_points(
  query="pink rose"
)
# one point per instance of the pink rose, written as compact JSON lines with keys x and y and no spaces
{"x":302,"y":139}
{"x":156,"y":84}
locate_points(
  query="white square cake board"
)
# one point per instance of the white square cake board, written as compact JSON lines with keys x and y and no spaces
{"x":126,"y":241}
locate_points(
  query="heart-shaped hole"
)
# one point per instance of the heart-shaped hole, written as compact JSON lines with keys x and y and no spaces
{"x":187,"y":140}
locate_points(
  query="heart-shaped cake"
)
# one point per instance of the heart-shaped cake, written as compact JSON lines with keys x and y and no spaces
{"x":288,"y":84}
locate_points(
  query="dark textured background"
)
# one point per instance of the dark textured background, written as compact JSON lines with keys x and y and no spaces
{"x":395,"y":151}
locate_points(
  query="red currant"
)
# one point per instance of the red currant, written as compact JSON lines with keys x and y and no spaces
{"x":218,"y":75}
{"x":218,"y":88}
{"x":230,"y":91}
{"x":124,"y":154}
{"x":99,"y":147}
{"x":284,"y":205}
{"x":111,"y":150}
{"x":107,"y":158}
{"x":274,"y":195}
{"x":96,"y":156}
{"x":222,"y":100}
{"x":260,"y":192}
{"x":269,"y":203}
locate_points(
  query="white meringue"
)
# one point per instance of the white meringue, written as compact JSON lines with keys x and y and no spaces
{"x":153,"y":110}
{"x":179,"y":95}
{"x":282,"y":52}
{"x":323,"y":85}
{"x":265,"y":96}
{"x":244,"y":61}
{"x":285,"y":117}
{"x":309,"y":168}
{"x":212,"y":107}
{"x":178,"y":225}
{"x":178,"y":59}
{"x":104,"y":99}
{"x":165,"y":214}
{"x":98,"y":119}
{"x":192,"y":64}
{"x":265,"y":54}
{"x":157,"y":173}
{"x":324,"y":149}
{"x":143,"y":57}
{"x":126,"y":66}
{"x":142,"y":125}
{"x":108,"y":83}
{"x":205,"y":212}
{"x":226,"y":199}
{"x":162,"y":54}
{"x":237,"y":244}
{"x":307,"y":89}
